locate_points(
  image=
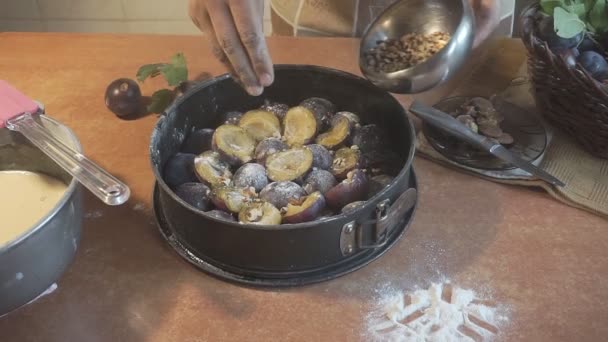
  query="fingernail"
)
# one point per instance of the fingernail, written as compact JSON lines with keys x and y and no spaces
{"x":254,"y":91}
{"x":266,"y":80}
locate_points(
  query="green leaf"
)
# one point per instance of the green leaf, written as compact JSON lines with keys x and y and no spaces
{"x":176,"y":72}
{"x":567,"y":25}
{"x":589,"y":5}
{"x":598,"y":17}
{"x":578,"y":9}
{"x":549,"y":5}
{"x":149,"y":70}
{"x":161,"y":99}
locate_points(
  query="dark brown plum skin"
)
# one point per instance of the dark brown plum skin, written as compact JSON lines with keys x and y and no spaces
{"x":354,"y":188}
{"x":123,"y":97}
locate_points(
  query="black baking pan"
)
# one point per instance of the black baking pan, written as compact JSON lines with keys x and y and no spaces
{"x":295,"y":253}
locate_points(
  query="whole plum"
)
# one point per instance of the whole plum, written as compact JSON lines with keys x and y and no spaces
{"x":195,"y":194}
{"x":123,"y":97}
{"x":595,"y":64}
{"x":198,"y":141}
{"x":180,"y":169}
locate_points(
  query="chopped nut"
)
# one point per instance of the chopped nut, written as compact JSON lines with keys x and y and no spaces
{"x":412,"y":49}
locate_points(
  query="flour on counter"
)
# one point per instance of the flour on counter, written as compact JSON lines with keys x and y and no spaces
{"x":93,"y":214}
{"x":440,"y":313}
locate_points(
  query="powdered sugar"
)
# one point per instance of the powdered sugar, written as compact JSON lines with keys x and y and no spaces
{"x":442,"y":312}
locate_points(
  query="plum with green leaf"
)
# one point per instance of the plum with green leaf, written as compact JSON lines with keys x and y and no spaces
{"x":548,"y":33}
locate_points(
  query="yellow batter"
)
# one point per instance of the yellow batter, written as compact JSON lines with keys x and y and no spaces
{"x":25,"y":198}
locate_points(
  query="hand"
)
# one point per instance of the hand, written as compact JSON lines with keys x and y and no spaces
{"x":486,"y":19}
{"x":235,"y":31}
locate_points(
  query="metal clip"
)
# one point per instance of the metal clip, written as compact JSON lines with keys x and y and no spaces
{"x":387,"y":217}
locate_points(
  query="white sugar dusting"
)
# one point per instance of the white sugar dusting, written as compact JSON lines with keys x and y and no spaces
{"x":93,"y":214}
{"x":441,"y":312}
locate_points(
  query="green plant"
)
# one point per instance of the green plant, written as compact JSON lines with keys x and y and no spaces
{"x":572,"y":17}
{"x":175,"y":73}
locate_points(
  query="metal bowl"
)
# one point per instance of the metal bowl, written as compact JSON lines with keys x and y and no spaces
{"x":291,"y":254}
{"x":32,"y":262}
{"x":421,"y":16}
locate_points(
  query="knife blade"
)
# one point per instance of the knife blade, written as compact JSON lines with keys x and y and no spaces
{"x":504,"y":154}
{"x":457,"y":129}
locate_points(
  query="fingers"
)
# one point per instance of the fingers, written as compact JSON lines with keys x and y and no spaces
{"x":229,"y":41}
{"x":248,"y":18}
{"x":487,"y":18}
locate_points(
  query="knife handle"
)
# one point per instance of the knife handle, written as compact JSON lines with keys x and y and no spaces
{"x":450,"y":125}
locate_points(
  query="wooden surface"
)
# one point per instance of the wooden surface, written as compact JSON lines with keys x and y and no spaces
{"x":544,"y":261}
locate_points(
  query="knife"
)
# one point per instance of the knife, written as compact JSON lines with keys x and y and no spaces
{"x":459,"y":130}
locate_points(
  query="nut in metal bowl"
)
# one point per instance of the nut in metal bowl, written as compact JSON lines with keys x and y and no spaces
{"x":454,"y":17}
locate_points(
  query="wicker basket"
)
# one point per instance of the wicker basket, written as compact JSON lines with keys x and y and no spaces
{"x":567,"y":96}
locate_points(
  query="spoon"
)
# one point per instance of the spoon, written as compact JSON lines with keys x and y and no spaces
{"x":20,"y":114}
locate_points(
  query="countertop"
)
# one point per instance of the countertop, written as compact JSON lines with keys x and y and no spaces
{"x":544,"y":261}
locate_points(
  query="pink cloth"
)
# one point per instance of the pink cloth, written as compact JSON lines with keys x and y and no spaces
{"x":13,"y":103}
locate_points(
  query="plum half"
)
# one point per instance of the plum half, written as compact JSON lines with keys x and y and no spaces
{"x":211,"y":169}
{"x":322,"y":109}
{"x":250,"y":175}
{"x":289,"y":165}
{"x":278,"y":109}
{"x":232,"y":199}
{"x":305,"y":210}
{"x":233,"y":144}
{"x":268,"y":147}
{"x":260,"y":213}
{"x":319,"y":180}
{"x":337,"y":135}
{"x":280,"y":194}
{"x":299,"y":126}
{"x":261,"y":124}
{"x":346,"y":159}
{"x":353,"y":118}
{"x":354,"y":188}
